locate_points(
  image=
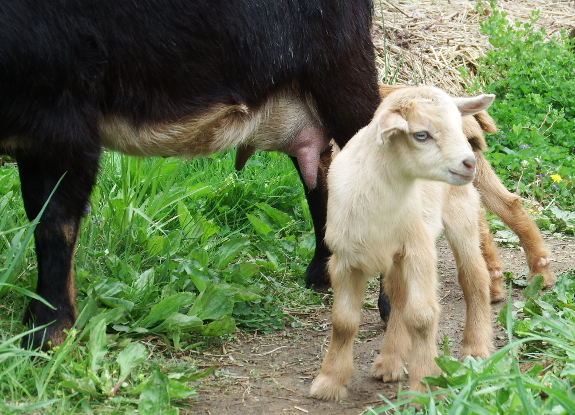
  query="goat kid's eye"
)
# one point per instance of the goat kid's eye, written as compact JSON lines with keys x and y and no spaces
{"x":421,"y":136}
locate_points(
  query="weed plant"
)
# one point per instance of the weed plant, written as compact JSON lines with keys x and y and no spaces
{"x":170,"y":251}
{"x":534,"y":80}
{"x":533,"y":374}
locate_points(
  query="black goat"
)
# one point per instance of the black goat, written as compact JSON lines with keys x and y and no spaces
{"x":168,"y":78}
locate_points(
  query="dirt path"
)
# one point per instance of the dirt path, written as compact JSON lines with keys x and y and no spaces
{"x":272,"y":374}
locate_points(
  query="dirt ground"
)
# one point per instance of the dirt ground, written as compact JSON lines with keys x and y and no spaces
{"x":271,"y":374}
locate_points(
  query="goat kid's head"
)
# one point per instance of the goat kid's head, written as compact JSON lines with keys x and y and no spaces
{"x":423,"y":127}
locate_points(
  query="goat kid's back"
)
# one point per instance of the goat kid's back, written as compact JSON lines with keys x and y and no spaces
{"x":383,"y":218}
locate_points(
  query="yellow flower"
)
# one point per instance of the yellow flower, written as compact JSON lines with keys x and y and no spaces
{"x":556,"y":178}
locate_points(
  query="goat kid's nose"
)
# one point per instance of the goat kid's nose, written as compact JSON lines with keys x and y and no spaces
{"x":469,"y":163}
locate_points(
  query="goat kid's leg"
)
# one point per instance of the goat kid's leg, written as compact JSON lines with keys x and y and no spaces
{"x":462,"y":232}
{"x":412,"y":329}
{"x":498,"y":200}
{"x":492,"y":261}
{"x":55,"y":238}
{"x":389,"y":365}
{"x":337,"y":367}
{"x":421,"y":314}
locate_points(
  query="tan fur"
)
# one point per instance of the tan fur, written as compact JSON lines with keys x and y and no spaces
{"x":491,"y":257}
{"x":382,"y":218}
{"x":70,"y":233}
{"x":498,"y":200}
{"x":12,"y":144}
{"x":221,"y":127}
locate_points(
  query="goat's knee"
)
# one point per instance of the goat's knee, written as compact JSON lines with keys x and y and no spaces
{"x":491,"y":257}
{"x":421,"y":322}
{"x":421,"y":318}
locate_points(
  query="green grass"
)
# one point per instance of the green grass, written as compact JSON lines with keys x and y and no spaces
{"x":176,"y":252}
{"x":533,"y":374}
{"x":534,"y":150}
{"x":175,"y":255}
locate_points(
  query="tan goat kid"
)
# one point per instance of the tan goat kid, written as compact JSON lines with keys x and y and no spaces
{"x":383,"y":218}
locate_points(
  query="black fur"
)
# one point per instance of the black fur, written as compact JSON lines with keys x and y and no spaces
{"x":66,"y":63}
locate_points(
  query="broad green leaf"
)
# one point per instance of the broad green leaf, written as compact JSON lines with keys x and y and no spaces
{"x":259,"y":225}
{"x":182,"y":322}
{"x":166,"y":307}
{"x":209,"y":229}
{"x":129,"y":358}
{"x":281,"y":218}
{"x":117,"y":302}
{"x":200,"y":255}
{"x":155,"y":399}
{"x":200,"y":278}
{"x":534,"y":285}
{"x":215,"y":302}
{"x":273,"y":260}
{"x":156,"y":245}
{"x":178,"y":390}
{"x":225,"y":325}
{"x":243,"y":294}
{"x":89,"y":309}
{"x":109,"y":288}
{"x":145,"y":279}
{"x":195,"y":226}
{"x":107,"y":316}
{"x":448,"y":364}
{"x":247,"y":270}
{"x":83,"y":385}
{"x":174,"y":242}
{"x":187,"y":222}
{"x":97,"y":345}
{"x":229,"y":250}
{"x":531,"y":307}
{"x":198,"y":374}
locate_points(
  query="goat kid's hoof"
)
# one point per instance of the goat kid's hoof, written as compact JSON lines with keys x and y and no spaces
{"x":477,"y":351}
{"x":324,"y":388}
{"x":388,"y":370}
{"x":542,"y":267}
{"x":496,"y":290}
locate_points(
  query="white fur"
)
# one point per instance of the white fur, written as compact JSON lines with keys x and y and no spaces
{"x":390,"y":195}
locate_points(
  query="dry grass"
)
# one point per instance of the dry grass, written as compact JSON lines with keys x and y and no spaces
{"x":430,"y":40}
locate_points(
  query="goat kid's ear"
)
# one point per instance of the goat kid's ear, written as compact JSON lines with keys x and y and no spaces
{"x":473,"y":105}
{"x":390,"y":123}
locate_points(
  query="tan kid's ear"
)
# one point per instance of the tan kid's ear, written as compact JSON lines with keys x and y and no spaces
{"x":390,"y":123}
{"x":472,"y":105}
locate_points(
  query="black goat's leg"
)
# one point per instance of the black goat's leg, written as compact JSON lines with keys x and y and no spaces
{"x":317,"y":276}
{"x":55,"y":235}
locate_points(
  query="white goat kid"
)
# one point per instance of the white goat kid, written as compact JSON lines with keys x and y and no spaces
{"x":383,"y":218}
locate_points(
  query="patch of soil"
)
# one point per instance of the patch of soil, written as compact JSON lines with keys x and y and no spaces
{"x":271,"y":374}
